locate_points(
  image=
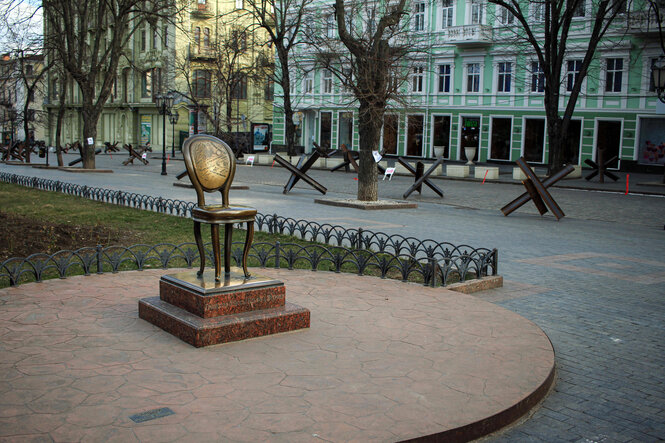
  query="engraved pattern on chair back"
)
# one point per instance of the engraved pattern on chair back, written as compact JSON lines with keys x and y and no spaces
{"x":210,"y":164}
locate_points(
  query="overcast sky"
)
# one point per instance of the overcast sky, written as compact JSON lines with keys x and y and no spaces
{"x":20,"y":24}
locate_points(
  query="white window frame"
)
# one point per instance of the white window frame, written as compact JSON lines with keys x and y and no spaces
{"x":419,"y":14}
{"x":418,"y":79}
{"x":447,"y":15}
{"x":533,"y":75}
{"x":475,"y":12}
{"x":331,"y":26}
{"x":567,"y":85}
{"x":583,"y":8}
{"x":440,"y":76}
{"x":327,"y":82}
{"x":537,"y":11}
{"x":308,"y":83}
{"x":606,"y":73}
{"x":504,"y":16}
{"x":504,"y":78}
{"x":468,"y":74}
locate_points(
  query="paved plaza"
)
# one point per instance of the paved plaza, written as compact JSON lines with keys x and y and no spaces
{"x":593,"y":281}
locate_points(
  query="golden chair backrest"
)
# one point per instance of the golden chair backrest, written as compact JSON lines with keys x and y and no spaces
{"x":210,"y":164}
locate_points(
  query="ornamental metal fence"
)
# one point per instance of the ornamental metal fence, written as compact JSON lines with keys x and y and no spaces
{"x":345,"y":250}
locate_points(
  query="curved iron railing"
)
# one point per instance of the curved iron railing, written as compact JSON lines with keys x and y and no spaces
{"x":376,"y":247}
{"x":89,"y":260}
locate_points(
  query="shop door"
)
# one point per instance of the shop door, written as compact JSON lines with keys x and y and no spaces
{"x":534,"y":139}
{"x":414,"y":139}
{"x":470,"y":136}
{"x":571,"y":152}
{"x":608,"y":139}
{"x":500,"y":141}
{"x":390,"y":128}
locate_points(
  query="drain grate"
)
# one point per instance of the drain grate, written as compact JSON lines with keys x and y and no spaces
{"x":151,"y":415}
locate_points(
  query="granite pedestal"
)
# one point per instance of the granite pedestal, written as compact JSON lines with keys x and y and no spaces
{"x":203,"y":312}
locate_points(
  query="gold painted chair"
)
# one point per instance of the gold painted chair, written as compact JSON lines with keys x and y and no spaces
{"x":211,"y":166}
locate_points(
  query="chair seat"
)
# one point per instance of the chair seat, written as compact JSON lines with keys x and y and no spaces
{"x":219,"y":214}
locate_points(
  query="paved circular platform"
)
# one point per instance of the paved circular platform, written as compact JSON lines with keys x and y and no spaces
{"x":382,"y":361}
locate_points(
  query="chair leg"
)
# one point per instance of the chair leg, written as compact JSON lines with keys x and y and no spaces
{"x":228,"y":239}
{"x":214,"y":229}
{"x":248,"y":243}
{"x":199,"y":245}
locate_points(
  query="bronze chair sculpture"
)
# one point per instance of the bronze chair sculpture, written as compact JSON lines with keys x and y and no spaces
{"x":211,"y":166}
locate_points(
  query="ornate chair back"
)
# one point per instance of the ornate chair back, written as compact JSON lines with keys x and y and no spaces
{"x":210,"y":165}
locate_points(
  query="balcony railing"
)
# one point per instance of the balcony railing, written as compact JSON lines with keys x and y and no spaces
{"x":202,"y":10}
{"x":466,"y":35}
{"x":643,"y":22}
{"x":200,"y":52}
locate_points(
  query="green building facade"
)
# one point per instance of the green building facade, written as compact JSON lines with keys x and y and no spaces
{"x":474,"y":83}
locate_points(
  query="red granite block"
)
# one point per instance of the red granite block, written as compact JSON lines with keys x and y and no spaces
{"x":200,"y":332}
{"x":225,"y":303}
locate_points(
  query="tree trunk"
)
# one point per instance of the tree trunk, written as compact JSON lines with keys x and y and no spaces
{"x":369,"y":119}
{"x":89,"y":131}
{"x":556,"y":144}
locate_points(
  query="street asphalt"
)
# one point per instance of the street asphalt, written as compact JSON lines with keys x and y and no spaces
{"x":594,"y":281}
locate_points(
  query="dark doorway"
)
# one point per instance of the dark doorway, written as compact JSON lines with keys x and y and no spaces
{"x":571,"y":151}
{"x":414,"y":138}
{"x":470,"y":136}
{"x":501,"y":135}
{"x":608,"y":139}
{"x":441,"y":136}
{"x":325,"y":137}
{"x":534,"y":139}
{"x":390,"y":128}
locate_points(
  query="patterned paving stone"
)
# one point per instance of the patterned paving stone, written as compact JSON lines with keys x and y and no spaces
{"x":401,"y":370}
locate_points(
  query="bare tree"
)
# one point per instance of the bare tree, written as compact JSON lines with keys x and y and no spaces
{"x":545,"y":26}
{"x":89,"y":38}
{"x":217,"y":74}
{"x":375,"y":34}
{"x":282,"y":21}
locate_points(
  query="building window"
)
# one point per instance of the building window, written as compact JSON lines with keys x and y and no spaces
{"x":505,"y":16}
{"x":239,"y":91}
{"x":419,"y":17}
{"x":578,"y":8}
{"x":327,"y":82}
{"x":143,"y":39}
{"x":476,"y":12}
{"x":330,"y":26}
{"x":537,"y":11}
{"x":473,"y":77}
{"x":308,"y":86}
{"x":166,"y":36}
{"x":614,"y":75}
{"x":573,"y":73}
{"x":146,"y":84}
{"x":201,"y":83}
{"x":447,"y":13}
{"x":417,"y":79}
{"x":444,"y":78}
{"x":240,"y":4}
{"x":28,"y":70}
{"x":505,"y":72}
{"x":537,"y":78}
{"x":197,"y":37}
{"x":269,"y":92}
{"x":155,"y":37}
{"x":206,"y":38}
{"x":239,"y":40}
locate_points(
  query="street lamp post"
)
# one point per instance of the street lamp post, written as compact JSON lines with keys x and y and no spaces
{"x":658,"y":71}
{"x":173,"y":118}
{"x":164,"y":103}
